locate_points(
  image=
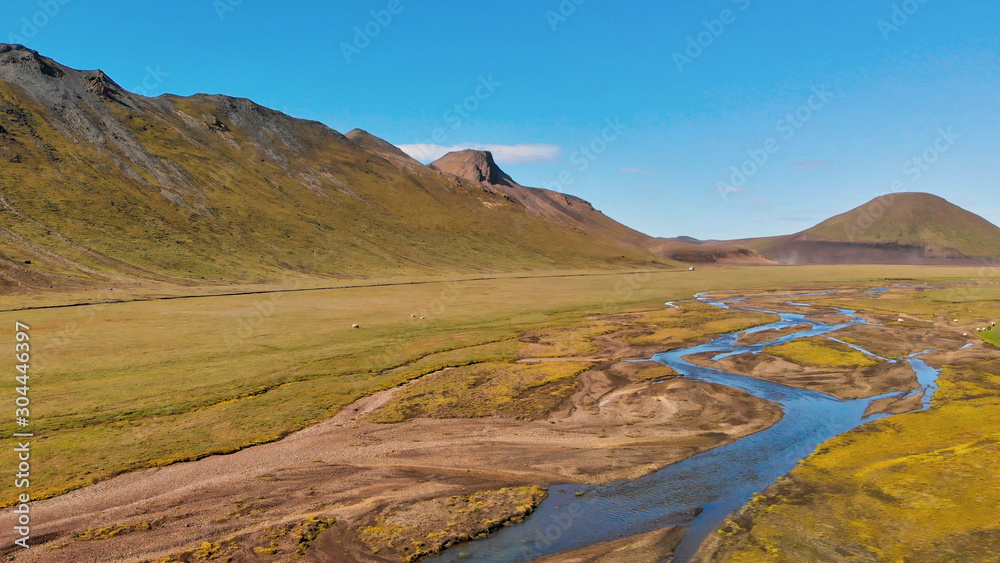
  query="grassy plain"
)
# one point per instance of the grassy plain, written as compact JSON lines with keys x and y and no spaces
{"x":117,"y":387}
{"x":991,"y":336}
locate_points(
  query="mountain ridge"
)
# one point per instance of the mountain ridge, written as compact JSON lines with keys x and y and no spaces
{"x":101,"y":184}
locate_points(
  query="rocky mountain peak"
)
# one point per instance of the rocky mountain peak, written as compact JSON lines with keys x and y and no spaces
{"x":473,"y":165}
{"x":22,"y":60}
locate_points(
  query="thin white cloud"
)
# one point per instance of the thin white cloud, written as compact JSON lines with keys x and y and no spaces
{"x":503,"y":154}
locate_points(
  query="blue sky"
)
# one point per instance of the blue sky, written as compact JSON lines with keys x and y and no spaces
{"x":648,"y":109}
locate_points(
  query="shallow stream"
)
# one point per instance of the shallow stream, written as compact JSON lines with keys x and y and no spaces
{"x":701,"y":491}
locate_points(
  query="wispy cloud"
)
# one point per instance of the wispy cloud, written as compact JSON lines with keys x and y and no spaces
{"x":804,"y":164}
{"x":503,"y":154}
{"x":636,"y":170}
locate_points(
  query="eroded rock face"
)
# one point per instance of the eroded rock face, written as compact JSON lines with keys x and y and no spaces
{"x":28,"y":61}
{"x":475,"y":166}
{"x":102,"y":85}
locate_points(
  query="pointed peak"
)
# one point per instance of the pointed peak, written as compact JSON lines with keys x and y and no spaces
{"x":474,"y":165}
{"x":360,"y":135}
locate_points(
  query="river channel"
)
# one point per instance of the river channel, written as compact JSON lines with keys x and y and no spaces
{"x":700,"y":492}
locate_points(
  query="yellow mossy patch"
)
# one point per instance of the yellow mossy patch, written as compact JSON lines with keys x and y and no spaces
{"x":109,"y":532}
{"x":293,"y":538}
{"x":654,"y":373}
{"x":207,"y":551}
{"x":822,"y":353}
{"x":568,"y":341}
{"x":410,"y":532}
{"x":915,"y":487}
{"x":525,"y":391}
{"x":243,"y":507}
{"x":695,"y":320}
{"x":308,"y":530}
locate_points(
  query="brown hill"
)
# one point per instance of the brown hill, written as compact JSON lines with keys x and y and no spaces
{"x":901,"y":228}
{"x":475,"y":166}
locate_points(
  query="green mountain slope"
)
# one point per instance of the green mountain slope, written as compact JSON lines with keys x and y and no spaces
{"x":97,"y":183}
{"x":913,"y":219}
{"x":901,"y":228}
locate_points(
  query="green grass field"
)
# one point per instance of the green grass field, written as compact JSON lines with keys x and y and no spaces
{"x":124,"y":386}
{"x":991,"y":335}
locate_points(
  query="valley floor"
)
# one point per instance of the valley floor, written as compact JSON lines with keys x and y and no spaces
{"x":502,"y":386}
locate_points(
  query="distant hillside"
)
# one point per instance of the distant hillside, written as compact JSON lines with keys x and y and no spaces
{"x":557,"y":208}
{"x":99,"y":183}
{"x":902,"y":228}
{"x":693,"y":251}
